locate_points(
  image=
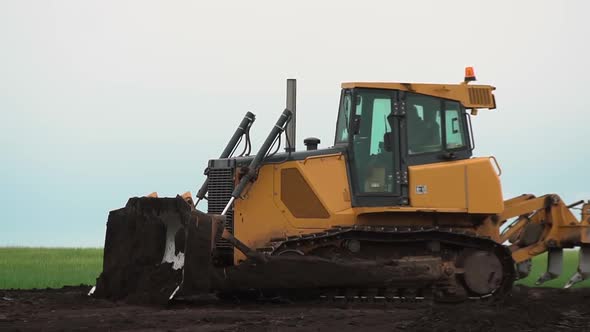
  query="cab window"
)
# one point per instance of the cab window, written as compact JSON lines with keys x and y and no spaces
{"x":380,"y":124}
{"x":434,"y":125}
{"x":343,"y":118}
{"x":424,"y":124}
{"x":373,"y":164}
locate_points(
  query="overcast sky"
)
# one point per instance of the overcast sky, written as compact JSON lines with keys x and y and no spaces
{"x":103,"y":100}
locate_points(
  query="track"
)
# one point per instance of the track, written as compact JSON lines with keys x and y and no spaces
{"x":69,"y":309}
{"x":428,"y":263}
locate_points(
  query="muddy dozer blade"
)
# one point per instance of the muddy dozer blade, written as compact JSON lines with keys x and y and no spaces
{"x":200,"y":234}
{"x":141,"y":260}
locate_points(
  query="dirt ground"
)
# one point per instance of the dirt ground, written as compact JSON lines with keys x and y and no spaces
{"x":527,"y":309}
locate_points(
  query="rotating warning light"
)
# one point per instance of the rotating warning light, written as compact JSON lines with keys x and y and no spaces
{"x":469,"y":74}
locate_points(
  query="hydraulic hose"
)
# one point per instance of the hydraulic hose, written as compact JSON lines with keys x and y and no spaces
{"x":278,"y":128}
{"x":231,"y":145}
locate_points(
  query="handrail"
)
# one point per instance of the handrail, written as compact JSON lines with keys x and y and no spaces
{"x":497,"y":165}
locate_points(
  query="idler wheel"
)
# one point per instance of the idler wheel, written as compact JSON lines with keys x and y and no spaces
{"x":483,"y":272}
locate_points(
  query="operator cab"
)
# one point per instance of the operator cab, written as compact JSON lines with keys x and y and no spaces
{"x":387,"y":127}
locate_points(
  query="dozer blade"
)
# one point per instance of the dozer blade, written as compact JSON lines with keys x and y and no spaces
{"x":583,"y":271}
{"x":200,"y":234}
{"x":142,"y":262}
{"x":554,"y":266}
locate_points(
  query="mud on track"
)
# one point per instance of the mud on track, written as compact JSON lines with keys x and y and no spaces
{"x":69,"y":309}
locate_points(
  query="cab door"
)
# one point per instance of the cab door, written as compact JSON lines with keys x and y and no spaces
{"x":374,"y":147}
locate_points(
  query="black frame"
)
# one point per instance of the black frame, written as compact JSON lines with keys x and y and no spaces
{"x":341,"y":109}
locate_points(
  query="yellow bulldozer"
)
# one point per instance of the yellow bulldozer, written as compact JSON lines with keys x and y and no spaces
{"x":397,"y":208}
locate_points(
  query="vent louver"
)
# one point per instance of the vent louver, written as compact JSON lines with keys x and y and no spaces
{"x":221,"y":185}
{"x":480,"y":97}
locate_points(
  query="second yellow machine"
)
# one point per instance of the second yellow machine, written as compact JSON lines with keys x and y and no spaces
{"x":397,"y":208}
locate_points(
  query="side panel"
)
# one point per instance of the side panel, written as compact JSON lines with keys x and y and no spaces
{"x":274,"y":206}
{"x":439,"y":185}
{"x":256,"y":218}
{"x":483,"y":187}
{"x":326,"y":181}
{"x":469,"y":185}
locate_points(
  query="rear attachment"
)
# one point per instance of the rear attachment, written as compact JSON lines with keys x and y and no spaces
{"x":546,"y":224}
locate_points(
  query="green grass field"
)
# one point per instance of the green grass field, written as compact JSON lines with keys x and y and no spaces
{"x":27,"y":268}
{"x":570,"y":264}
{"x":48,"y":267}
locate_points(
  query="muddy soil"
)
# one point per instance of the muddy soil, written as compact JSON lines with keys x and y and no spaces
{"x":69,"y":309}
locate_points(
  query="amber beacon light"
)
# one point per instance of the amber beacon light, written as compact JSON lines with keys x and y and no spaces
{"x":469,"y":74}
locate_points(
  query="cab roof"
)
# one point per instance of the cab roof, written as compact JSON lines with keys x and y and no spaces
{"x":470,"y":96}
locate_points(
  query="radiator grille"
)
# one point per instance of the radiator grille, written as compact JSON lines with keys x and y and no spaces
{"x":480,"y":96}
{"x":221,"y":185}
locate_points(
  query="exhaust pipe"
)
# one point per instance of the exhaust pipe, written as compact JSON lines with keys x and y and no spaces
{"x":291,"y":106}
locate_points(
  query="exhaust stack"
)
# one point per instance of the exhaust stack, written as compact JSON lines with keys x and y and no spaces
{"x":291,"y":106}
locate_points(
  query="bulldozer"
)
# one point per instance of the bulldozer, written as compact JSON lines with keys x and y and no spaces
{"x":397,"y":208}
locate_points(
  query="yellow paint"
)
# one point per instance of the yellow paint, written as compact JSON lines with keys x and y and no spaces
{"x":327,"y":178}
{"x":470,"y":185}
{"x":484,"y":190}
{"x":262,"y":215}
{"x":443,"y":186}
{"x":256,"y":218}
{"x":452,"y":187}
{"x":453,"y":191}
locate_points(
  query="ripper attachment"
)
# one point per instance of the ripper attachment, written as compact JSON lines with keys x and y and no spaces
{"x":546,"y":224}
